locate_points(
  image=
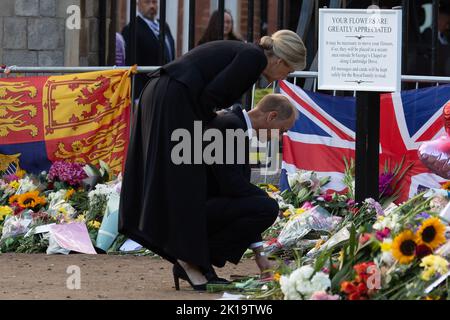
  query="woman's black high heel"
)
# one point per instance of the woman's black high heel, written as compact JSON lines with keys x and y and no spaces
{"x":180,"y":273}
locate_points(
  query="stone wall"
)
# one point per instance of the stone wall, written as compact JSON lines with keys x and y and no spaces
{"x":34,"y":33}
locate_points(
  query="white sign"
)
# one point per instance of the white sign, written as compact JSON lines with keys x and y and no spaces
{"x":360,"y":49}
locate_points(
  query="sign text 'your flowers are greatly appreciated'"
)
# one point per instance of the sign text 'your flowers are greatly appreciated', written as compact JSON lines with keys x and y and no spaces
{"x":360,"y":49}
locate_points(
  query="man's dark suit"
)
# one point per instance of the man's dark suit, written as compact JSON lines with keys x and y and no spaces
{"x":147,"y":50}
{"x":237,"y":211}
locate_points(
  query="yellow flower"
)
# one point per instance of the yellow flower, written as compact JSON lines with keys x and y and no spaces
{"x":272,"y":188}
{"x":80,"y":218}
{"x":431,"y":233}
{"x":276,"y":277}
{"x":13,"y":199}
{"x":4,"y":212}
{"x":94,"y":224}
{"x":298,"y":212}
{"x":386,"y":245}
{"x":287,"y":213}
{"x":446,"y":186}
{"x":433,"y":264}
{"x":341,"y":256}
{"x":68,"y":194}
{"x":404,"y":247}
{"x":319,"y":243}
{"x":14,"y":184}
{"x":21,"y":173}
{"x":30,"y":200}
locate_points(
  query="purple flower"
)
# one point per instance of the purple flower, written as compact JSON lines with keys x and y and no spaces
{"x":72,"y":173}
{"x":10,"y":177}
{"x":373,"y":205}
{"x":351,"y":202}
{"x":422,"y":215}
{"x":384,"y":184}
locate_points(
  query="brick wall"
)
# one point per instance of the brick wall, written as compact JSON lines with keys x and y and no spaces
{"x":33,"y":32}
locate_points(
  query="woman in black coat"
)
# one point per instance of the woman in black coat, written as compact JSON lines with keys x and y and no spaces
{"x":162,"y":203}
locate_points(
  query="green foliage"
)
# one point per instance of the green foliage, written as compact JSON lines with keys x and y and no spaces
{"x":80,"y":201}
{"x":261,"y":93}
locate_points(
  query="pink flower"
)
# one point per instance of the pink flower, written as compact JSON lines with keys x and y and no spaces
{"x":364,"y":238}
{"x":381,"y":235}
{"x":328,"y":197}
{"x":307,"y":205}
{"x":321,"y":295}
{"x":72,"y":173}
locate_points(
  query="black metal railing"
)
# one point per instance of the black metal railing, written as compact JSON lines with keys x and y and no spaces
{"x":284,"y":16}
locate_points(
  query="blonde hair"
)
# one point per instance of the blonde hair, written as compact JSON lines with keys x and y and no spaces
{"x":287,"y":45}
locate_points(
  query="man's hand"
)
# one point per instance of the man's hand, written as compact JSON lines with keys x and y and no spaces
{"x":265,"y":266}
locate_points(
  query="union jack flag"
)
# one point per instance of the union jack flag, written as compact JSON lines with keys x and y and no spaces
{"x":325,"y":133}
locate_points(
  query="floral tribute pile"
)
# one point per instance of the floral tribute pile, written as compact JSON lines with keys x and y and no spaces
{"x":70,"y":193}
{"x":327,"y":247}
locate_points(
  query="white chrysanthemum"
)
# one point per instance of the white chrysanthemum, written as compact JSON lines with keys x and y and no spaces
{"x":288,"y":289}
{"x":101,"y":189}
{"x":300,"y":285}
{"x":320,"y":282}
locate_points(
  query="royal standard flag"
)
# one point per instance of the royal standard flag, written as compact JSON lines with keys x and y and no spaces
{"x":79,"y":118}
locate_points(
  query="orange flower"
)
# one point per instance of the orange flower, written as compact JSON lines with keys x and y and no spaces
{"x":13,"y":199}
{"x":31,"y":200}
{"x":348,"y":287}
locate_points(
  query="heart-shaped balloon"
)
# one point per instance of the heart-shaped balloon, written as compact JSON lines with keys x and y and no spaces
{"x":435,"y":155}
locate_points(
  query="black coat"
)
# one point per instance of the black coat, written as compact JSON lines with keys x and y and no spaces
{"x":231,"y":180}
{"x":163,"y":204}
{"x":147,"y":50}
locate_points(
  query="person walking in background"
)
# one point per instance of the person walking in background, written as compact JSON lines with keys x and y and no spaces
{"x":147,"y":41}
{"x":163,"y":201}
{"x":212,"y":32}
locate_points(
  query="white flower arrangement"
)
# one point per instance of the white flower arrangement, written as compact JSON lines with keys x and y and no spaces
{"x":25,"y":185}
{"x":101,"y":189}
{"x":302,"y":283}
{"x":391,"y":222}
{"x":302,"y":178}
{"x":59,"y":206}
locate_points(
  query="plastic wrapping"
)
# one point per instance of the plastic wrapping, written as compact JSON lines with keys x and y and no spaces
{"x":15,"y":226}
{"x":315,"y":219}
{"x":340,"y":236}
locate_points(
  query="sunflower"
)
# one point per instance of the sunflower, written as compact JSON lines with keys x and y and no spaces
{"x":13,"y":199}
{"x":431,"y":233}
{"x":404,"y":247}
{"x":30,"y":200}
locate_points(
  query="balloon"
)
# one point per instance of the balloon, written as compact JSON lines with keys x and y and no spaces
{"x":446,"y":115}
{"x":435,"y":155}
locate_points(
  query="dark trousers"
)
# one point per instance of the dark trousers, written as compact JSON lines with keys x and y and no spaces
{"x":235,"y":223}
